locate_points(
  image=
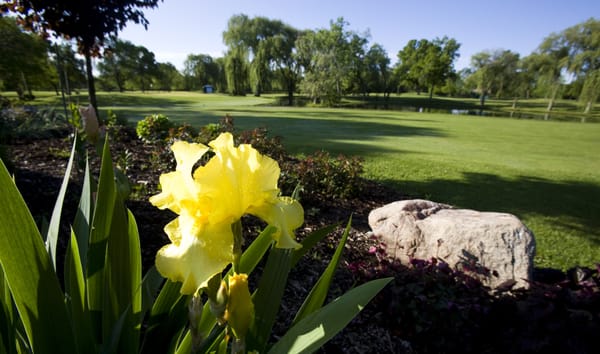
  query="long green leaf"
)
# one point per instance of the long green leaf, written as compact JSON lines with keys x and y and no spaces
{"x":101,"y":222}
{"x":83,"y":216}
{"x":123,"y":277}
{"x":151,"y":284}
{"x":166,"y":319}
{"x":7,"y":326}
{"x":54,"y":227}
{"x":135,"y":261}
{"x":316,"y":329}
{"x":267,"y":298}
{"x":30,"y":274}
{"x":117,"y":295}
{"x":112,"y":342}
{"x":317,"y":295}
{"x":75,"y":294}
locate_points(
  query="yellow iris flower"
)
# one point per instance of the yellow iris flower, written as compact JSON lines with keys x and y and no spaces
{"x":235,"y":181}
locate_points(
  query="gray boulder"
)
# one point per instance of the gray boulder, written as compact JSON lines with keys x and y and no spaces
{"x":465,"y":239}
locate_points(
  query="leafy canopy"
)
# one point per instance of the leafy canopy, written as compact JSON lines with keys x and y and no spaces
{"x":88,"y":22}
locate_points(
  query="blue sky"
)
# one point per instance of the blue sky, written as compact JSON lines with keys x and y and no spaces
{"x":181,"y":27}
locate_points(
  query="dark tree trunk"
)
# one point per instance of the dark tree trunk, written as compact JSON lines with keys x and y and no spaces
{"x":90,"y":80}
{"x":291,"y":87}
{"x":482,"y":99}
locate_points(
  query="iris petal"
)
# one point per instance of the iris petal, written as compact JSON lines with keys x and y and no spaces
{"x":196,"y":257}
{"x":286,"y":214}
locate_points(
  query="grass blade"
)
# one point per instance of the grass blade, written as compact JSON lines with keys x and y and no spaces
{"x":30,"y":275}
{"x":316,"y":329}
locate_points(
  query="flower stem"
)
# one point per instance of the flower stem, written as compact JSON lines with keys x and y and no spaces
{"x":238,"y":240}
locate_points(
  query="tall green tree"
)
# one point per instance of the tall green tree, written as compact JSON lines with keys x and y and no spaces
{"x":356,"y":80}
{"x":128,"y":65}
{"x":242,"y":41}
{"x":494,"y":73}
{"x":426,"y":64}
{"x":549,"y":62}
{"x":378,"y":70}
{"x":167,"y":77}
{"x":116,"y":67}
{"x":200,"y":70}
{"x":221,"y":83}
{"x":23,"y":59}
{"x":328,"y":56}
{"x":236,"y":70}
{"x":583,"y":41}
{"x":88,"y":22}
{"x":284,"y":60}
{"x":145,"y":68}
{"x":269,"y":46}
{"x":70,"y":69}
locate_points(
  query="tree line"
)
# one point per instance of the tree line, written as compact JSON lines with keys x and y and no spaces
{"x":268,"y":55}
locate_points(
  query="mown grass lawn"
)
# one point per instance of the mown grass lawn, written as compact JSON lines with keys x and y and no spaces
{"x":545,"y":172}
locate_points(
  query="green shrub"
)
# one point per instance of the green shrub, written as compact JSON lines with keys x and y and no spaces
{"x":30,"y":122}
{"x":182,"y":132}
{"x":208,"y":133}
{"x":153,"y":128}
{"x":112,"y":120}
{"x":260,"y":139}
{"x":321,"y":176}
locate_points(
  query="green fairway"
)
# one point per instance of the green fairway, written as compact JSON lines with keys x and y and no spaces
{"x":545,"y":172}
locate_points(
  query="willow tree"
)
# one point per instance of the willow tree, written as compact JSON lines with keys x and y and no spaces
{"x":268,"y":46}
{"x":236,"y":70}
{"x":583,"y":40}
{"x":88,"y":22}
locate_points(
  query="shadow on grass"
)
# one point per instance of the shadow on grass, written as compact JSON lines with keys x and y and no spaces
{"x":574,"y":202}
{"x":345,"y":131}
{"x":412,"y":102}
{"x":350,"y":137}
{"x":137,"y":100}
